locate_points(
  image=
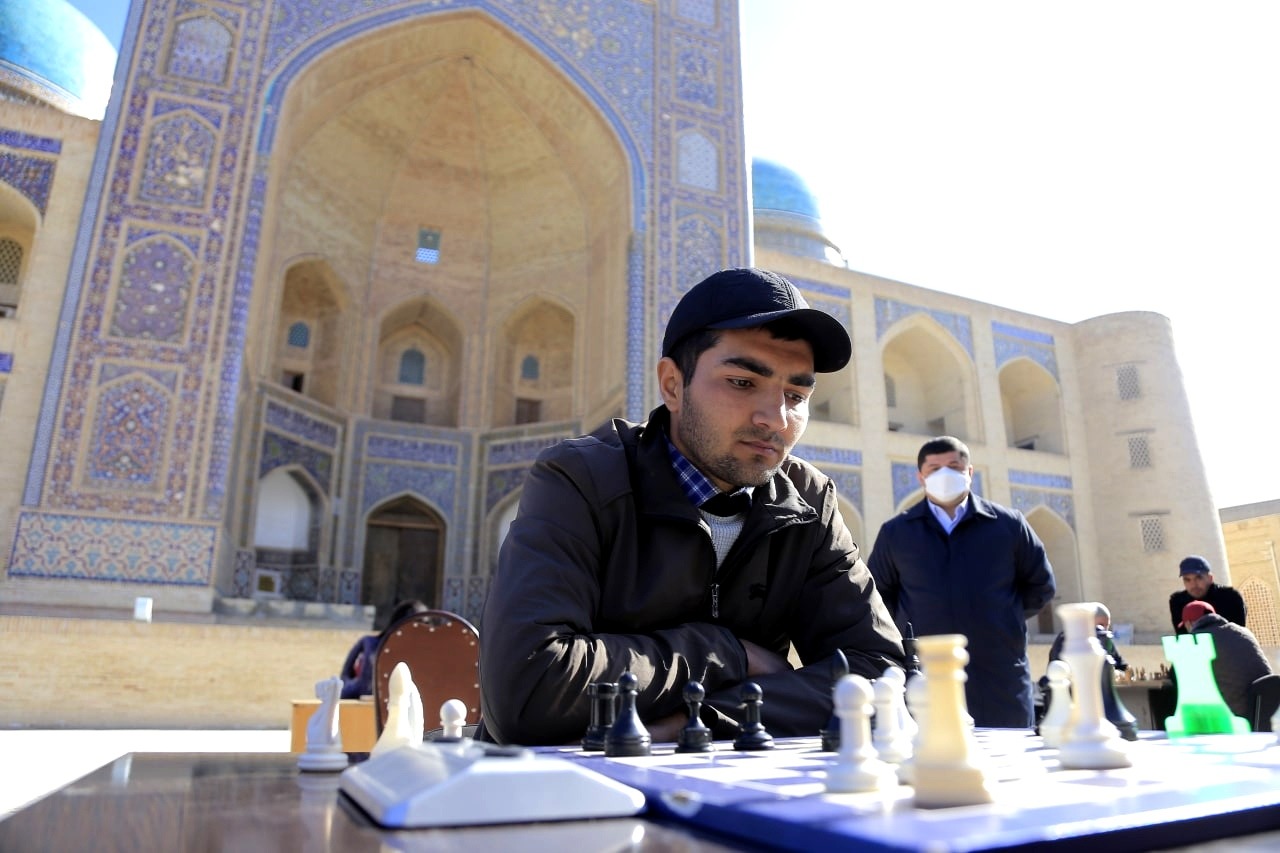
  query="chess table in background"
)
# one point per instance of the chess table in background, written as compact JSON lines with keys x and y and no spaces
{"x":1177,"y":792}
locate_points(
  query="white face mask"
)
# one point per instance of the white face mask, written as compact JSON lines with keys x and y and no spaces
{"x":946,"y":485}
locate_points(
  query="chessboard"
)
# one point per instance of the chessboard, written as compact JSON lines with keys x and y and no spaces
{"x":1177,"y":792}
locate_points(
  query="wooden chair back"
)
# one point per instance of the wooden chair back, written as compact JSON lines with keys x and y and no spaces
{"x":442,"y":651}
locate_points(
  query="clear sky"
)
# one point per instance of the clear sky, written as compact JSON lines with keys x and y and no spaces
{"x":1065,"y":159}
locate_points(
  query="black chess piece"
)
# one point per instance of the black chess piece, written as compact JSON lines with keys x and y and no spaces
{"x":831,"y":732}
{"x":695,"y":736}
{"x":604,"y":703}
{"x":627,"y":737}
{"x":753,"y":735}
{"x":909,"y":647}
{"x":1113,"y":707}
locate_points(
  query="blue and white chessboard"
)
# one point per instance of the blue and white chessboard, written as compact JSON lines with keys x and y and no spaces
{"x":1177,"y":792}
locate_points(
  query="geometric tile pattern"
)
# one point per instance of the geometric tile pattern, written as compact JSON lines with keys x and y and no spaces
{"x":278,"y":451}
{"x":890,"y":311}
{"x":155,"y":284}
{"x":201,"y":50}
{"x":300,"y":424}
{"x":1013,"y":342}
{"x":31,"y":176}
{"x":179,"y":152}
{"x":112,"y":550}
{"x":1025,"y":500}
{"x":128,"y":435}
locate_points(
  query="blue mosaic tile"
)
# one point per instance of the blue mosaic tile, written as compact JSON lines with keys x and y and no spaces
{"x":31,"y":176}
{"x":412,"y":450}
{"x":54,"y":545}
{"x":6,"y":362}
{"x":521,"y":451}
{"x":128,"y":435}
{"x":278,"y":451}
{"x":890,"y":311}
{"x":1026,"y":500}
{"x":835,"y":455}
{"x":435,"y":486}
{"x":1011,"y":342}
{"x":1032,"y":478}
{"x":200,"y":50}
{"x":29,"y":141}
{"x":299,"y":424}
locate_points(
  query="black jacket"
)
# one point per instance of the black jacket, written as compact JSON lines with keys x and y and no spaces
{"x":984,"y":581}
{"x":608,"y":567}
{"x":1226,"y":602}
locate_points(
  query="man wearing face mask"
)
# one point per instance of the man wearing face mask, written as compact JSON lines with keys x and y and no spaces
{"x":956,"y":563}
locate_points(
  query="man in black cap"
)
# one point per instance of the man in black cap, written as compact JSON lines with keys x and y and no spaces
{"x":624,"y":557}
{"x":1198,"y":585}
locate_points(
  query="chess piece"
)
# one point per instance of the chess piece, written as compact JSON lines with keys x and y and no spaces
{"x":1113,"y":707}
{"x":890,"y":738}
{"x":917,"y":711}
{"x":831,"y":733}
{"x":404,"y":713}
{"x":1089,"y":741}
{"x":753,"y":735}
{"x":627,"y":737}
{"x":909,"y":647}
{"x":453,"y":716}
{"x":1201,"y":709}
{"x":856,"y":767}
{"x":947,"y":768}
{"x":324,"y":736}
{"x":1058,"y":714}
{"x":695,"y":736}
{"x":603,"y":697}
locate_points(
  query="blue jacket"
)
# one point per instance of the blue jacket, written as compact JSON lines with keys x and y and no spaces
{"x":983,"y":581}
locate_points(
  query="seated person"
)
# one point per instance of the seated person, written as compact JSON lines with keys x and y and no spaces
{"x":357,"y":669}
{"x":1102,"y":625}
{"x":1240,"y":659}
{"x":622,"y":558}
{"x":1198,"y":585}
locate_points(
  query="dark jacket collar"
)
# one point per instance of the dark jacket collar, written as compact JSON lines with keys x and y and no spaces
{"x":659,"y":493}
{"x":976,"y":506}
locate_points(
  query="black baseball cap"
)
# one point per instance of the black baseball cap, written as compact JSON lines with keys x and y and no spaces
{"x":746,"y":298}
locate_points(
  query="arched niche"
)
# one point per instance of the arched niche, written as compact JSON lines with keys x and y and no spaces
{"x":533,"y":382}
{"x":1032,"y":404}
{"x":450,"y":124}
{"x":1060,"y":546}
{"x":933,"y":381}
{"x":288,"y":515}
{"x":310,"y":346}
{"x":419,"y":329}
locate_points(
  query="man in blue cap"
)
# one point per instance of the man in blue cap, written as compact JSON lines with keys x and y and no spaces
{"x":622,"y":557}
{"x":1198,"y":585}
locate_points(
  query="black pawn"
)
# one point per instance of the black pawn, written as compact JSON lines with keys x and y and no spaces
{"x":1112,"y":707}
{"x":831,"y":733}
{"x":753,"y":735}
{"x":603,"y":697}
{"x":695,"y":736}
{"x":909,"y":647}
{"x":627,"y":737}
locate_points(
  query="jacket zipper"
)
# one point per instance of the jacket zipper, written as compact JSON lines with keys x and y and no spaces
{"x":715,"y":601}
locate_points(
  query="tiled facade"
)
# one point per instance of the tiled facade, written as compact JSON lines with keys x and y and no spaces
{"x":243,"y":159}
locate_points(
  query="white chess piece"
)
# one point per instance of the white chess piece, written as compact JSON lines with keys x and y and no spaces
{"x":324,"y":736}
{"x":453,"y":716}
{"x":1090,"y":741}
{"x":1058,"y":714}
{"x":404,"y":713}
{"x":947,"y":769}
{"x":917,"y":711}
{"x":892,"y":742}
{"x":856,"y":767}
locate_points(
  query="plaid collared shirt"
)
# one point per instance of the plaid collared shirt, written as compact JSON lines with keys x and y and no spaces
{"x":697,"y":488}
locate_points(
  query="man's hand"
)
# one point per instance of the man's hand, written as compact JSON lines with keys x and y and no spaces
{"x":761,"y":661}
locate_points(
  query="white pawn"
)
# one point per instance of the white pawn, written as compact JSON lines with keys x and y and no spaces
{"x":404,"y":713}
{"x":1058,"y":714}
{"x":916,"y":701}
{"x":453,"y":716}
{"x":1090,"y":741}
{"x":892,"y":744}
{"x":324,"y":735}
{"x":856,"y":767}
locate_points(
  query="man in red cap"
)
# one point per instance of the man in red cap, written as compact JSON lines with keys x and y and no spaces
{"x":1240,"y":659}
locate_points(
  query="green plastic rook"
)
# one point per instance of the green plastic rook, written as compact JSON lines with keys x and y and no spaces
{"x":1201,"y":709}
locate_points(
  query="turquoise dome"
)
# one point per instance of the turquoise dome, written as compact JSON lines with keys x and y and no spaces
{"x":51,"y":53}
{"x":778,"y":188}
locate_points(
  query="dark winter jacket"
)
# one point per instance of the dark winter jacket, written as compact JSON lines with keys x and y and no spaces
{"x":1238,"y":661}
{"x":1227,"y":603}
{"x":609,"y":568}
{"x":984,"y":581}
